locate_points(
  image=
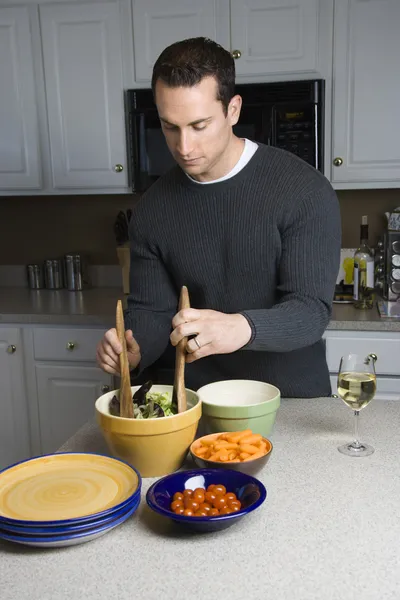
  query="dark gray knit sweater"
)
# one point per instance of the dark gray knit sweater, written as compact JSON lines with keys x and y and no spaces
{"x":265,"y":243}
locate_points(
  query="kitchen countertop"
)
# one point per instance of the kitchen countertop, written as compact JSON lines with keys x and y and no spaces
{"x":329,"y":528}
{"x":97,"y":307}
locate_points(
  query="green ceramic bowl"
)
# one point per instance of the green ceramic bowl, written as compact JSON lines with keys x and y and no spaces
{"x":239,"y":404}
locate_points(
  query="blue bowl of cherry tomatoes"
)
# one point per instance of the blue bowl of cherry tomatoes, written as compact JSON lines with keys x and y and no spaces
{"x":207,"y":499}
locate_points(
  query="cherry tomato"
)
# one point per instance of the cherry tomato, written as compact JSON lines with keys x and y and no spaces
{"x":219,"y":502}
{"x":177,"y":496}
{"x":211,"y":487}
{"x":188,"y":512}
{"x":176,"y":504}
{"x":235,"y":505}
{"x":191,"y":504}
{"x":199,"y":495}
{"x":219,"y":490}
{"x":200,"y":513}
{"x":205,"y":506}
{"x":210,"y":497}
{"x":214,"y":512}
{"x":230,"y":496}
{"x":187,"y":493}
{"x":226,"y":511}
{"x":179,"y":511}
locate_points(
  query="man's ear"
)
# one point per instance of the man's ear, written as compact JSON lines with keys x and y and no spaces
{"x":234,"y":109}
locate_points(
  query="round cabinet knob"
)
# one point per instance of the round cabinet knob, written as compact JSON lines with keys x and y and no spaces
{"x":338,"y":161}
{"x":70,"y":346}
{"x":373,"y":357}
{"x":236,"y":54}
{"x":334,"y":396}
{"x":105,"y":388}
{"x":118,"y":168}
{"x":11,"y":349}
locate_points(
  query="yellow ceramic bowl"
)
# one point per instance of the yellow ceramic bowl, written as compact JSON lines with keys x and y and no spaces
{"x":155,"y":447}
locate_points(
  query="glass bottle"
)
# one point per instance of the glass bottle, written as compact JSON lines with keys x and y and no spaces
{"x":363,"y":270}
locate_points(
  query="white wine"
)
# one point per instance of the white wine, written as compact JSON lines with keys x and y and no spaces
{"x":356,"y":389}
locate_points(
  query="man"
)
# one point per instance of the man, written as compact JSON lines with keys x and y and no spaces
{"x":251,"y":230}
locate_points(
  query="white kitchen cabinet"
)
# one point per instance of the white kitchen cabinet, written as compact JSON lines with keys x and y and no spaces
{"x":270,"y":39}
{"x":157,"y":24}
{"x":83,"y":71}
{"x":66,"y":398}
{"x":366,"y":99}
{"x":385,"y":344}
{"x":19,"y":149}
{"x":14,"y":426}
{"x":281,"y":38}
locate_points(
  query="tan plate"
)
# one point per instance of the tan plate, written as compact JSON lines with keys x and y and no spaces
{"x":64,"y":486}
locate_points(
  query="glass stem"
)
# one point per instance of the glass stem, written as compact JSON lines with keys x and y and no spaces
{"x":356,"y":443}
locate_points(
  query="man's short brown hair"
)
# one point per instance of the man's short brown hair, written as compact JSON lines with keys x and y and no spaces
{"x":186,"y":63}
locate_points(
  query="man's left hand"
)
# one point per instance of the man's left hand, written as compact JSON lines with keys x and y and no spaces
{"x":216,"y":332}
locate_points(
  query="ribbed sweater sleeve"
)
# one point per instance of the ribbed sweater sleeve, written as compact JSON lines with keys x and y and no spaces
{"x":306,"y":280}
{"x":152,"y":302}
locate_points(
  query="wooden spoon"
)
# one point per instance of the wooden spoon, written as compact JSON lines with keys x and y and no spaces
{"x":179,"y":393}
{"x":125,"y":395}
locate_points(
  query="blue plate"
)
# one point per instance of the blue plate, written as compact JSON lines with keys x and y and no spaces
{"x":92,"y":519}
{"x":249,"y":490}
{"x":72,"y":539}
{"x":64,"y":530}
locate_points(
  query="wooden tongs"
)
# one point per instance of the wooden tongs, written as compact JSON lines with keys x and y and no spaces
{"x":125,"y":395}
{"x":179,"y":393}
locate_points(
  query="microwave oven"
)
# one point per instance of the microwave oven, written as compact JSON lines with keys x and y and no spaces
{"x":288,"y":115}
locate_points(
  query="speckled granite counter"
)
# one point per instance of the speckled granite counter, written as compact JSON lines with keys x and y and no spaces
{"x":329,"y":529}
{"x":97,"y":307}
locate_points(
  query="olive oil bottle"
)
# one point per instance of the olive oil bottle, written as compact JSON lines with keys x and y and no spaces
{"x":364,"y":270}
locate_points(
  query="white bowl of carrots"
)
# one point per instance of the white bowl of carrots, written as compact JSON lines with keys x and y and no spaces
{"x":243,"y":451}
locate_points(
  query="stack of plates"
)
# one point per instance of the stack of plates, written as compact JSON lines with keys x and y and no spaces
{"x":66,"y":499}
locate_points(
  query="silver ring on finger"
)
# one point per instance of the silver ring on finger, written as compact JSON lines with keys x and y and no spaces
{"x":196,"y":341}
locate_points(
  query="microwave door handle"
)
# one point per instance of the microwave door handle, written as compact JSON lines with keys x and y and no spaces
{"x":316,"y":133}
{"x":143,"y":158}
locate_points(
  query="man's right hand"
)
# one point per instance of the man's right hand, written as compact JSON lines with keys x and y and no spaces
{"x":109,"y":349}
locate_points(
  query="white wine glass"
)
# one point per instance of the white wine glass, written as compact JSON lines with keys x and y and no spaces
{"x":357,"y":387}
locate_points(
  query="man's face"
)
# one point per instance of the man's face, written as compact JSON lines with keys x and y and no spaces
{"x":197,"y":131}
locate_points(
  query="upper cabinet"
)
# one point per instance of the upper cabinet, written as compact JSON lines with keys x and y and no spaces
{"x":366,"y":98}
{"x":83,"y":72}
{"x":269,"y":39}
{"x":19,"y":146}
{"x":281,"y":37}
{"x":157,"y":24}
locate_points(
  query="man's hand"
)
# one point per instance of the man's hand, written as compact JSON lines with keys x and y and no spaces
{"x":109,"y":349}
{"x":216,"y":332}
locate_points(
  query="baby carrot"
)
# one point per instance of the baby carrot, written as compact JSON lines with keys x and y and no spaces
{"x":248,"y":448}
{"x":251,"y":439}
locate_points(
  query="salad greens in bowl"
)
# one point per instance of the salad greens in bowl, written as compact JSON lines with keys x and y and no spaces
{"x":147,"y":404}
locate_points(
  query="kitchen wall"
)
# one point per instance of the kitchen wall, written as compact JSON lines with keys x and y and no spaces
{"x":33,"y":228}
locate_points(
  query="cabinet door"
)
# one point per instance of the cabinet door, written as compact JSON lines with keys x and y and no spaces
{"x":66,"y":398}
{"x":14,"y":428}
{"x":19,"y":152}
{"x":366,"y":92}
{"x":84,"y":90}
{"x":278,"y":37}
{"x":158,"y":24}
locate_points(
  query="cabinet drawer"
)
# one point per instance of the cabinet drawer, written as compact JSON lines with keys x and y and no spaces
{"x":66,"y":344}
{"x":385,"y":345}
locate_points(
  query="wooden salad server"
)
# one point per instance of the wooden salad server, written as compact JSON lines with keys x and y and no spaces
{"x":179,"y":393}
{"x":125,"y":395}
